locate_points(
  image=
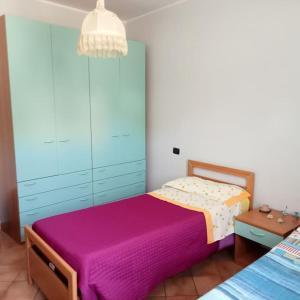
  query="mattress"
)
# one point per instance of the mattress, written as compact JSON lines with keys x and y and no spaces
{"x":122,"y":250}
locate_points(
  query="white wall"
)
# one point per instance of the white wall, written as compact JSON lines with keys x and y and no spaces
{"x":43,"y":11}
{"x":224,"y":86}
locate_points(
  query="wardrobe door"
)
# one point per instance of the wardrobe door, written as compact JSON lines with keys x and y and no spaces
{"x":132,"y":102}
{"x":106,"y":131}
{"x":72,"y":103}
{"x":30,"y":65}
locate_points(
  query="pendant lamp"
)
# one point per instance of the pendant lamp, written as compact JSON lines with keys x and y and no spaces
{"x":102,"y":34}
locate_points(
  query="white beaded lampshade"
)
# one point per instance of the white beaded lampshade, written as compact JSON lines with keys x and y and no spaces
{"x":102,"y":34}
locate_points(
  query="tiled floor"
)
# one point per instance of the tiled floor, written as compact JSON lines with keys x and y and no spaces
{"x":200,"y":279}
{"x":13,"y":282}
{"x":188,"y":285}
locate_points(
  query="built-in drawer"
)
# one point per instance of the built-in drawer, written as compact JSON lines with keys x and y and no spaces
{"x":44,"y":199}
{"x":37,"y":186}
{"x":138,"y":189}
{"x":119,"y":193}
{"x":119,"y":181}
{"x":68,"y":206}
{"x":29,"y":217}
{"x":80,"y":203}
{"x":258,"y":235}
{"x":117,"y":170}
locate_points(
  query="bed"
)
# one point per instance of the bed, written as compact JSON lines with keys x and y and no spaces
{"x":275,"y":276}
{"x":122,"y":250}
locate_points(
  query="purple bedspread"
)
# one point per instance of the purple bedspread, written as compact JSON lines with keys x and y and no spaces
{"x":122,"y":250}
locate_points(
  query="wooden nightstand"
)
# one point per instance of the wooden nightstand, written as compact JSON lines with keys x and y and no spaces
{"x":253,"y":229}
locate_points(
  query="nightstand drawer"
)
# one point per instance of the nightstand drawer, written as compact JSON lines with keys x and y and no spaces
{"x":257,"y":235}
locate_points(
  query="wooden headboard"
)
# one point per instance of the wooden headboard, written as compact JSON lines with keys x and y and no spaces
{"x":246,"y":175}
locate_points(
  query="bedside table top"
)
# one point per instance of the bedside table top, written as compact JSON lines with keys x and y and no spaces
{"x":260,"y":220}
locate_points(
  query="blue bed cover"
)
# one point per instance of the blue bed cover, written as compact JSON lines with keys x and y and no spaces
{"x":274,"y":276}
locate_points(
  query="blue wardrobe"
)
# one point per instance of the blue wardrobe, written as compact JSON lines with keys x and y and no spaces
{"x":78,"y":124}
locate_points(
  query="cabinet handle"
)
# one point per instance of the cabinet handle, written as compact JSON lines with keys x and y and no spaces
{"x":31,"y":199}
{"x":84,"y":200}
{"x":30,"y":184}
{"x":64,"y":141}
{"x":101,"y":183}
{"x":48,"y":142}
{"x":83,"y":174}
{"x":115,"y":136}
{"x":32,"y":214}
{"x":257,"y":233}
{"x":126,"y":135}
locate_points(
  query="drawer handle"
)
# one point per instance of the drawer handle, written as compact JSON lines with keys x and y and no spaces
{"x":257,"y":233}
{"x":115,"y":136}
{"x":64,"y":141}
{"x":101,"y":183}
{"x":84,"y":187}
{"x":83,"y":174}
{"x":84,"y":200}
{"x":48,"y":142}
{"x":31,"y":199}
{"x":30,"y":184}
{"x":126,"y":135}
{"x":32,"y":214}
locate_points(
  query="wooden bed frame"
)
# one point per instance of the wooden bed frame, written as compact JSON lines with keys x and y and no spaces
{"x":246,"y":175}
{"x":43,"y":262}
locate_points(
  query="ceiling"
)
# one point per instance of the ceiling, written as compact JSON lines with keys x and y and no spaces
{"x":125,"y":9}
